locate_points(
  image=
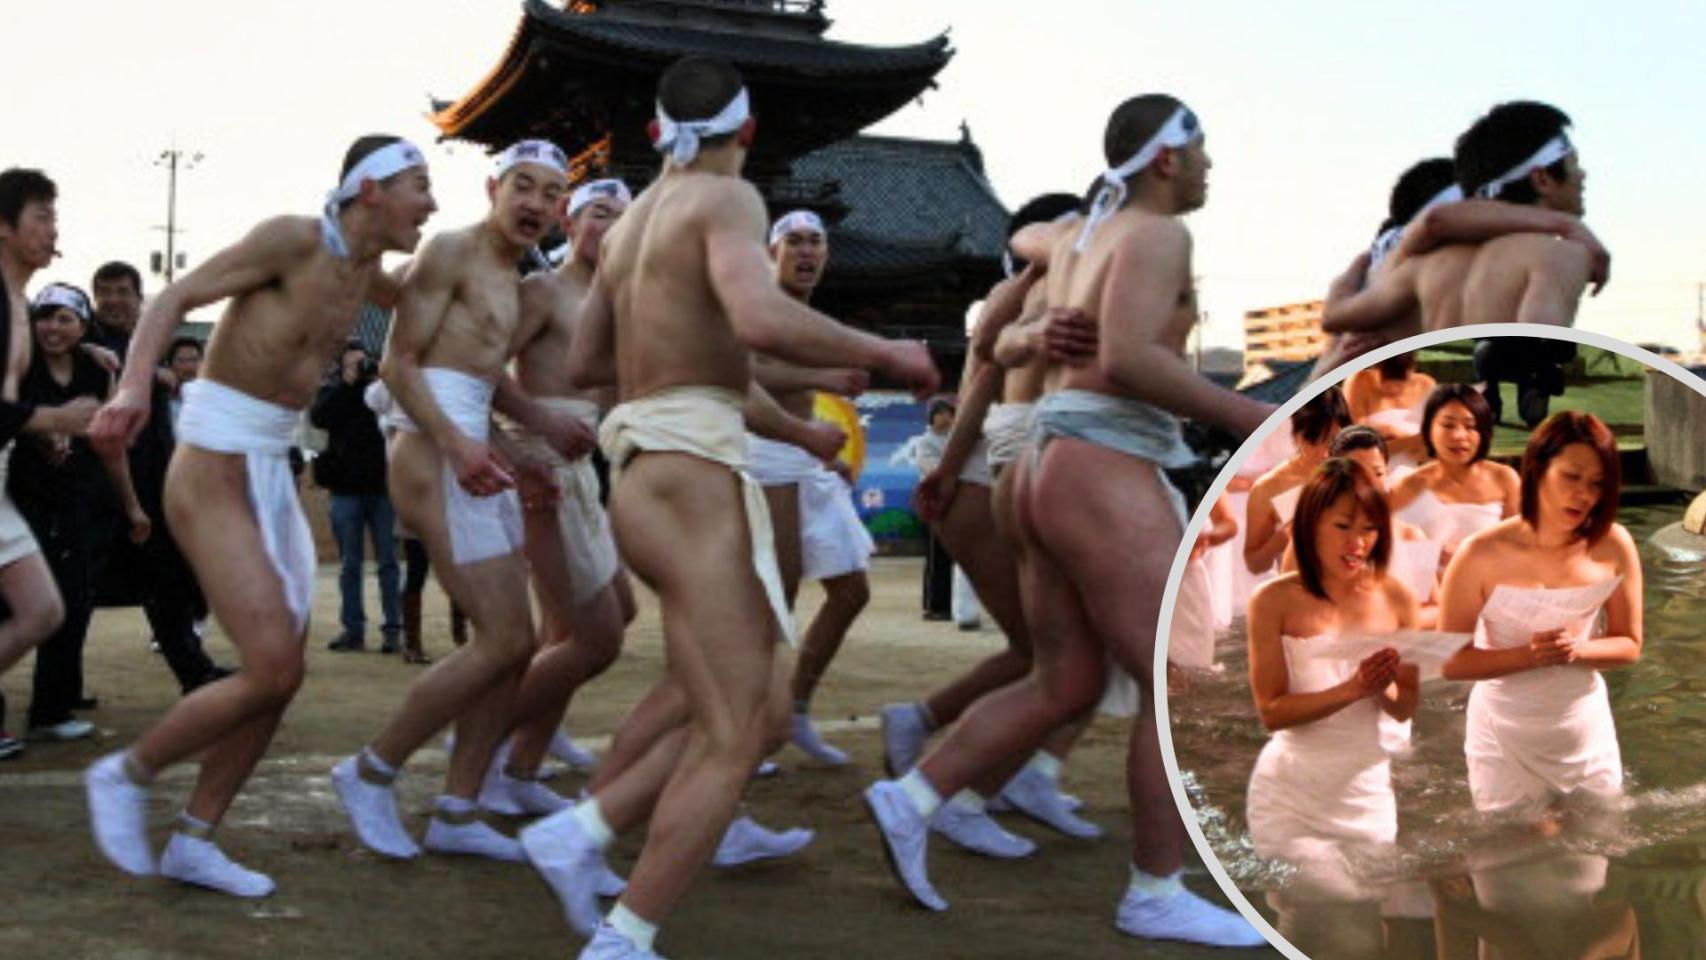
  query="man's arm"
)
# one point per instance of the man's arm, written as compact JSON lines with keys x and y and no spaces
{"x":780,"y":377}
{"x":1146,"y":278}
{"x":1004,"y":305}
{"x":592,"y":349}
{"x":264,"y":255}
{"x":1356,"y":306}
{"x":427,"y":294}
{"x":767,"y":418}
{"x":1477,"y":221}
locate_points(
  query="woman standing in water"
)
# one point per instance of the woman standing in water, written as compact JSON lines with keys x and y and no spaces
{"x":1461,"y":491}
{"x":1539,"y":721}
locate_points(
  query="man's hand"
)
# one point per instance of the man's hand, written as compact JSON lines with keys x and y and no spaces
{"x":909,"y":362}
{"x":479,"y":468}
{"x":1600,"y":275}
{"x":935,"y":493}
{"x":1070,"y":337}
{"x":116,"y":424}
{"x":822,"y":440}
{"x":566,"y":434}
{"x":537,"y":485}
{"x":140,"y":526}
{"x":842,"y":469}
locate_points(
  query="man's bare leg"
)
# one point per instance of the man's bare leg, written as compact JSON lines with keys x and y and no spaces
{"x":784,"y":503}
{"x":473,"y":686}
{"x":845,"y":597}
{"x":1113,"y":550}
{"x":232,"y":719}
{"x":35,"y":606}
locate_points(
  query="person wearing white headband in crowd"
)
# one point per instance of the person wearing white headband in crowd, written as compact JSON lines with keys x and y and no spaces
{"x":295,"y":286}
{"x":1490,"y":258}
{"x":683,"y":293}
{"x":584,"y":598}
{"x":454,"y":481}
{"x":1095,"y":572}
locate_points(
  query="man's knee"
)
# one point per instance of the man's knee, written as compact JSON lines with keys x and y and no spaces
{"x":274,"y":678}
{"x":852,"y":592}
{"x":41,"y":616}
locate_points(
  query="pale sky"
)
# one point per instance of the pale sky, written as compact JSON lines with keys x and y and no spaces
{"x":1312,"y":108}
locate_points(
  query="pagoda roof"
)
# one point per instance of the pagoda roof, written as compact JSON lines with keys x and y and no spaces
{"x":576,"y":74}
{"x":913,"y":205}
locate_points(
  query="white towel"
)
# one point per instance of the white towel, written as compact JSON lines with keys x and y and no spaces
{"x":582,"y":524}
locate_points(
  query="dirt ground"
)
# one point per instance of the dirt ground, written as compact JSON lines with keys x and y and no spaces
{"x":836,"y":899}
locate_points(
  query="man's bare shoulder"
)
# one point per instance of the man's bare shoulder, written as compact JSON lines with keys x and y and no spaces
{"x":1148,"y":234}
{"x":286,"y":234}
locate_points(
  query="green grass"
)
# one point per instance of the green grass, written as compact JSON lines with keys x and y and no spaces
{"x":1619,"y":403}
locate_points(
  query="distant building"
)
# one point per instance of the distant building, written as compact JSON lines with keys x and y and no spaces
{"x":1289,"y":334}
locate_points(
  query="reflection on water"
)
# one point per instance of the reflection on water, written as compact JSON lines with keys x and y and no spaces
{"x":1625,"y":881}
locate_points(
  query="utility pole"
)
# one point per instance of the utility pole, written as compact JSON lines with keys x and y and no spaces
{"x":173,"y":159}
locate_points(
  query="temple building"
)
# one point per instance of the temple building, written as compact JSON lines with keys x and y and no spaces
{"x":916,"y":231}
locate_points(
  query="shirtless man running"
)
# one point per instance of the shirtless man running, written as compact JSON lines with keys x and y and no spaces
{"x":294,"y":286}
{"x":577,"y":579}
{"x":684,"y":292}
{"x":1100,"y":521}
{"x":457,"y":317}
{"x":1518,"y":169}
{"x":818,"y":534}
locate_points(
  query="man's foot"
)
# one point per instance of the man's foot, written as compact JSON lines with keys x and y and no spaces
{"x":747,"y":842}
{"x":62,"y":731}
{"x":474,"y":839}
{"x":201,"y":863}
{"x":118,"y":811}
{"x":517,"y":797}
{"x":372,"y":810}
{"x":347,"y":642}
{"x":766,"y":769}
{"x":607,"y":944}
{"x":1183,"y":916}
{"x":904,"y":733}
{"x":571,"y":864}
{"x":1533,"y":405}
{"x":905,"y":838}
{"x":576,"y":756}
{"x":804,"y":736}
{"x":415,"y":655}
{"x":934,"y":616}
{"x":1039,"y":798}
{"x":391,"y":644}
{"x":86,"y":703}
{"x":979,"y":833}
{"x":10,"y":746}
{"x":970,"y":626}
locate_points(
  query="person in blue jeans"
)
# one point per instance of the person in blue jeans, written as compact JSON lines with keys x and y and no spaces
{"x":352,"y":469}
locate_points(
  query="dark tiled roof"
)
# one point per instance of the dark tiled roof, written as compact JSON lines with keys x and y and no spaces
{"x":1287,"y":380}
{"x":910,"y":202}
{"x":746,"y":49}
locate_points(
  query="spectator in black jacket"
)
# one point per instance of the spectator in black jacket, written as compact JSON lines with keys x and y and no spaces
{"x":153,"y":574}
{"x":352,"y":469}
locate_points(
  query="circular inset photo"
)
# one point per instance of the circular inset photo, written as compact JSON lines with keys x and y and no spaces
{"x":1435,"y":660}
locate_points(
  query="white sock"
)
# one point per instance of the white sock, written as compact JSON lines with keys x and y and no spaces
{"x":970,"y":800}
{"x":457,"y":807}
{"x":133,"y":771}
{"x":1154,"y":886}
{"x":196,"y":827}
{"x":924,"y":797}
{"x":592,"y":822}
{"x":628,"y":924}
{"x":1046,"y":764}
{"x":925,"y":715}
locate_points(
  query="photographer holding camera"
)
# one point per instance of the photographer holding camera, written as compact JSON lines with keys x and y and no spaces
{"x":352,"y":469}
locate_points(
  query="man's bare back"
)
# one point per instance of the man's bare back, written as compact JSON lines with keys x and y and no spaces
{"x":1526,"y":277}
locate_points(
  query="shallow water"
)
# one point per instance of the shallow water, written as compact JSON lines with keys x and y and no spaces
{"x":1630,"y":881}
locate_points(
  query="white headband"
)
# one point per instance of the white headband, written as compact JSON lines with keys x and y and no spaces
{"x":379,"y":166}
{"x":60,"y":295}
{"x":680,"y":138}
{"x":611,"y":189}
{"x":543,"y":152}
{"x":1389,"y":239}
{"x":1180,"y":130}
{"x":797,"y":220}
{"x":1553,"y":151}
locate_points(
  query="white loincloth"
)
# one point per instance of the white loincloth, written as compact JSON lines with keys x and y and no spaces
{"x":1137,"y":430}
{"x":1005,"y":429}
{"x":776,"y":464}
{"x":833,"y":540}
{"x":220,"y":419}
{"x":704,"y":422}
{"x":1544,"y":733}
{"x":1323,"y":788}
{"x":582,"y":525}
{"x":977,"y":468}
{"x":480,"y":528}
{"x":16,"y":540}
